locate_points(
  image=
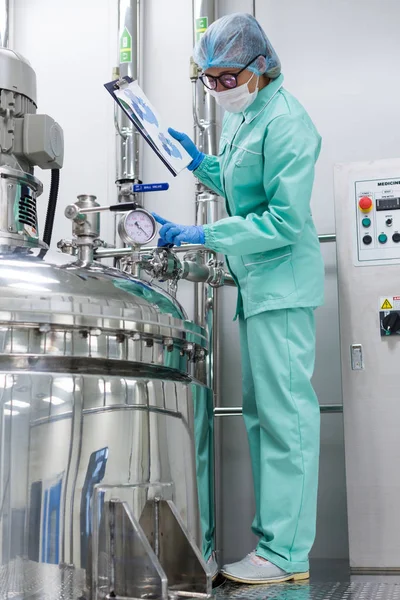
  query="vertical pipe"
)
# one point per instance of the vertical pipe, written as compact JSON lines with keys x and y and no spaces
{"x":206,"y":200}
{"x":128,"y":139}
{"x":4,"y":23}
{"x":207,"y":204}
{"x":157,"y":527}
{"x":128,"y":62}
{"x":205,"y":130}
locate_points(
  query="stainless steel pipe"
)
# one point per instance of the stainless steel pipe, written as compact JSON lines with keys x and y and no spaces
{"x":235,"y":411}
{"x":191,"y":271}
{"x":228,"y":280}
{"x":4,"y":23}
{"x":203,"y":103}
{"x":128,"y":138}
{"x":119,"y":252}
{"x":128,"y":250}
{"x":206,"y":203}
{"x":203,"y":273}
{"x":327,"y":238}
{"x":195,"y":272}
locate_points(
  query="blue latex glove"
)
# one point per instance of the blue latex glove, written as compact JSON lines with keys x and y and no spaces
{"x":189,"y":146}
{"x":171,"y":233}
{"x":163,"y":243}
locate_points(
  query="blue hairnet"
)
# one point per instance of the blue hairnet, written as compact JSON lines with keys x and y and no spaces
{"x":233,"y":41}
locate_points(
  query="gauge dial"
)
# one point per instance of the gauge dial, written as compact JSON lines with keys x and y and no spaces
{"x":137,"y":227}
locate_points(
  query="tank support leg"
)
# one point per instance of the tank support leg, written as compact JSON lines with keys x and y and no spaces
{"x":152,"y":558}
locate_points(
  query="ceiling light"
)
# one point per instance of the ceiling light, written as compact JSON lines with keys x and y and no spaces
{"x":29,"y":287}
{"x":66,"y":384}
{"x":104,"y":386}
{"x":6,"y":381}
{"x":24,"y":276}
{"x":18,"y":403}
{"x":54,"y":400}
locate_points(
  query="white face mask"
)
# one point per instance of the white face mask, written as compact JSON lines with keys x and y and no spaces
{"x":238,"y":99}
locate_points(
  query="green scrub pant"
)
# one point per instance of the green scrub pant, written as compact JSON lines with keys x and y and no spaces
{"x":282,"y":418}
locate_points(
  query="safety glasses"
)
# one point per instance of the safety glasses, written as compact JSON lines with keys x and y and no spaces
{"x":227,"y":80}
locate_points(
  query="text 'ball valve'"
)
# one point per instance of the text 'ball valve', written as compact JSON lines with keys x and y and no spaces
{"x":391,"y":323}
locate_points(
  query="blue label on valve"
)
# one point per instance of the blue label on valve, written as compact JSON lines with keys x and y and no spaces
{"x":150,"y":187}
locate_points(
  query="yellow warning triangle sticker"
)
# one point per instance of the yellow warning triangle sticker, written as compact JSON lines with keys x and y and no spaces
{"x":386,"y":305}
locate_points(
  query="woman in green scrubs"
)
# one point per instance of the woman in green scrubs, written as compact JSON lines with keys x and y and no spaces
{"x":265,"y":173}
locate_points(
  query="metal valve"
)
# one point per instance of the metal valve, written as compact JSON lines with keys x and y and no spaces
{"x":163,"y":265}
{"x":68,"y":247}
{"x":217,"y":273}
{"x":74,"y":211}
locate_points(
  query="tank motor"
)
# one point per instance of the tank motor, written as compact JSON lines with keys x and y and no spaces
{"x":27,"y":139}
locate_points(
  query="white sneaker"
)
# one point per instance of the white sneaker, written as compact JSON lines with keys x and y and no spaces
{"x":256,"y":570}
{"x":213,"y":566}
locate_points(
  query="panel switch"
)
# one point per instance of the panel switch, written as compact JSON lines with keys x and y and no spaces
{"x":391,"y":323}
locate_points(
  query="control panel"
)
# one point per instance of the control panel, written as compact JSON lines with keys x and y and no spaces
{"x":367,"y":210}
{"x":378,"y":220}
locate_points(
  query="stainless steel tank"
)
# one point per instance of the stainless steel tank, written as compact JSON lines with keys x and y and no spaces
{"x":97,"y":391}
{"x":99,"y":387}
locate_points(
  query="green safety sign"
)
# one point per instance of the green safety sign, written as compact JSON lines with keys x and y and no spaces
{"x":125,"y":47}
{"x":201,"y":26}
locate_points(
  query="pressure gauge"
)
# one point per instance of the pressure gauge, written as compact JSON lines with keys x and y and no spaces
{"x":137,"y":227}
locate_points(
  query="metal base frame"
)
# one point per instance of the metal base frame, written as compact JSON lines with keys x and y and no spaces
{"x":152,"y":557}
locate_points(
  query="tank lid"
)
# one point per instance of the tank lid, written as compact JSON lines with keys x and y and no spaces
{"x":16,"y":74}
{"x":56,"y":306}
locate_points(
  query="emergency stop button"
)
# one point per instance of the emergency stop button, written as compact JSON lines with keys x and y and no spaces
{"x":365,"y":204}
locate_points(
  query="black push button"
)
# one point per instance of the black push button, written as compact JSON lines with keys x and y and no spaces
{"x":367,"y":239}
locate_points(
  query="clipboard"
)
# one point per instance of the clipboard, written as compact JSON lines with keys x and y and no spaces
{"x":132,"y":100}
